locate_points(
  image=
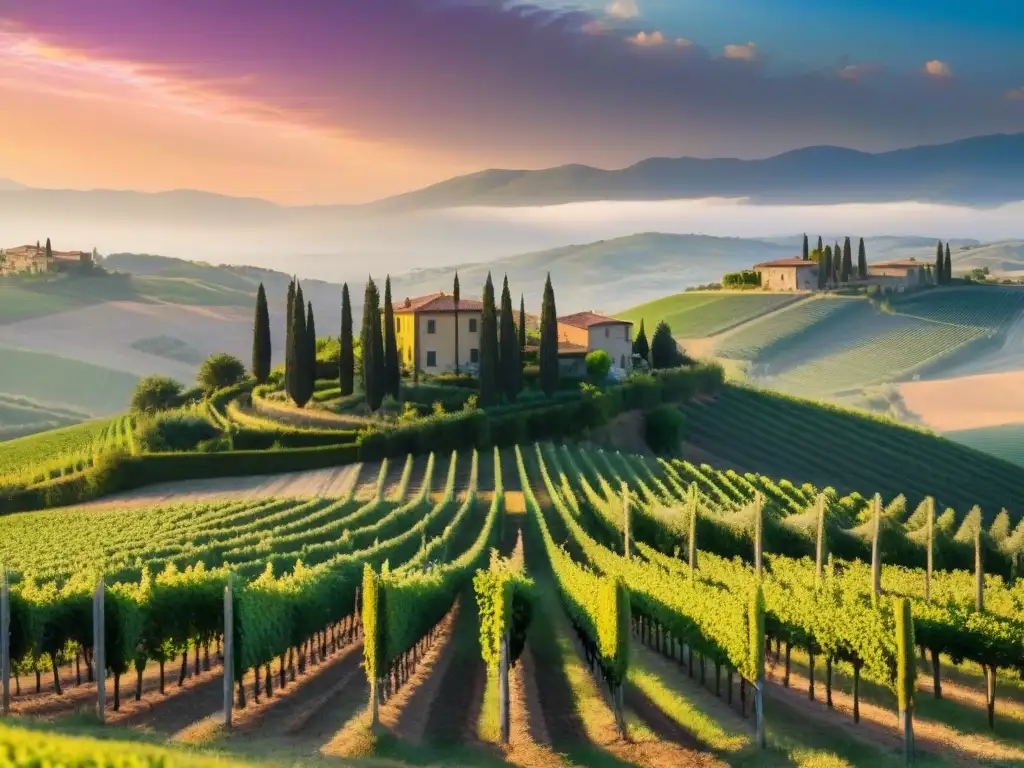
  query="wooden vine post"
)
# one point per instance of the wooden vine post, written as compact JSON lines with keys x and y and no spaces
{"x":819,"y":563}
{"x":626,"y":522}
{"x":5,"y":641}
{"x":758,"y":533}
{"x":503,"y":695}
{"x":229,"y":653}
{"x":99,"y":656}
{"x":756,"y":624}
{"x":930,"y":523}
{"x":906,"y":670}
{"x":692,"y":504}
{"x":876,"y":556}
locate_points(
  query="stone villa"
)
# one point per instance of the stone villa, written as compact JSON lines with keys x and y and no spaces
{"x":795,"y":274}
{"x":31,"y":259}
{"x":425,"y":333}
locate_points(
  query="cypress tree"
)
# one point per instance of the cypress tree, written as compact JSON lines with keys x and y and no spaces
{"x":509,"y":366}
{"x":826,"y":267}
{"x":261,"y":351}
{"x":289,"y":313}
{"x":522,"y":332}
{"x":346,"y":353}
{"x":837,"y":263}
{"x":847,"y":271}
{"x":49,"y":250}
{"x":821,"y":246}
{"x":948,"y":266}
{"x":806,"y":251}
{"x":455,"y":304}
{"x":548,"y":340}
{"x":392,"y":371}
{"x":940,"y":266}
{"x":373,"y":360}
{"x":295,"y":368}
{"x":862,"y":261}
{"x":489,"y":356}
{"x":640,"y":344}
{"x":822,"y":274}
{"x":309,"y":363}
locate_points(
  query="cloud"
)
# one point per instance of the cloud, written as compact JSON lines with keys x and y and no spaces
{"x":595,"y":27}
{"x":937,"y":68}
{"x":741,"y":52}
{"x":656,"y":39}
{"x":857,"y":71}
{"x":623,"y":9}
{"x":1016,"y":94}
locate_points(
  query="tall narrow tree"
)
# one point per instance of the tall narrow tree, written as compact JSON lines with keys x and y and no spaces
{"x":489,"y":355}
{"x":509,"y":366}
{"x":455,"y":304}
{"x":862,"y":261}
{"x":289,"y":315}
{"x":825,"y":267}
{"x":847,"y":268}
{"x":372,"y":347}
{"x":837,"y":263}
{"x":522,"y":330}
{"x":807,"y":250}
{"x":392,"y":371}
{"x":548,"y":340}
{"x":309,"y":363}
{"x":346,"y":353}
{"x":296,"y":370}
{"x":821,"y":246}
{"x":49,"y":250}
{"x":641,"y":346}
{"x":261,"y":338}
{"x":947,"y":266}
{"x":940,"y":265}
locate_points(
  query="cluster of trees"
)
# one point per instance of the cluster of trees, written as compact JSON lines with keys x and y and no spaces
{"x":835,"y":263}
{"x":740,"y":279}
{"x":662,"y":351}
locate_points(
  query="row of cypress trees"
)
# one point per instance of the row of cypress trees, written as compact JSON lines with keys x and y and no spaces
{"x":501,"y":346}
{"x":943,"y":270}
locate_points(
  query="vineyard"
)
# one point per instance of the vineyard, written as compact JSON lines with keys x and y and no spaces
{"x":37,"y":458}
{"x":1006,"y":441}
{"x":775,"y":331}
{"x":611,"y":608}
{"x":787,"y":437}
{"x":697,"y":314}
{"x":991,"y":308}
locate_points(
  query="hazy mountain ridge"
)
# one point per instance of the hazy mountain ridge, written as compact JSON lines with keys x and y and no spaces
{"x":984,"y":170}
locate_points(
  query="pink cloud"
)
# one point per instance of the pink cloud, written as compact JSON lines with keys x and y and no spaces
{"x":741,"y":51}
{"x":937,"y":68}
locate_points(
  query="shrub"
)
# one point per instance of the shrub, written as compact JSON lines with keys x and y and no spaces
{"x":156,"y":393}
{"x":220,"y":371}
{"x":663,"y":429}
{"x":664,"y":350}
{"x":174,"y":431}
{"x":598,"y":363}
{"x":464,"y":380}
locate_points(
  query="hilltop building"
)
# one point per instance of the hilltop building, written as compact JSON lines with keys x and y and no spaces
{"x":425,"y":335}
{"x":795,"y":274}
{"x":31,"y":259}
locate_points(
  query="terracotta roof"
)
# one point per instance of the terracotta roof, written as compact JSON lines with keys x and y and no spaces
{"x":795,"y":261}
{"x":564,"y":348}
{"x":437,"y":302}
{"x":588,"y":319}
{"x":30,"y":251}
{"x":910,"y":263}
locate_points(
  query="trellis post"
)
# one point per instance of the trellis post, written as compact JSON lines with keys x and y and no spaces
{"x":5,"y":641}
{"x":229,"y":653}
{"x":99,"y":656}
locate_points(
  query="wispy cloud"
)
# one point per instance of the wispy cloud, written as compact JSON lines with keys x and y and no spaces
{"x":741,"y":51}
{"x":623,"y":9}
{"x":857,"y":71}
{"x":656,"y":39}
{"x":1016,"y":94}
{"x":938,"y":68}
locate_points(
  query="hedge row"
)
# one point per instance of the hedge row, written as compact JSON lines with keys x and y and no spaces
{"x":555,"y":419}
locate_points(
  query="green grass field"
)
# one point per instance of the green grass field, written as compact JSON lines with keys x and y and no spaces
{"x":696,"y":314}
{"x":1005,"y":441}
{"x":787,"y":437}
{"x":54,"y":448}
{"x":58,"y":380}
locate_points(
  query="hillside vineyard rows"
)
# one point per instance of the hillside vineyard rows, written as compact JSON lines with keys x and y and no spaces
{"x":705,"y":567}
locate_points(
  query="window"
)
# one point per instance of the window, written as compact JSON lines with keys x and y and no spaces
{"x":431,"y":358}
{"x":472,"y":325}
{"x":431,"y":327}
{"x":474,"y":355}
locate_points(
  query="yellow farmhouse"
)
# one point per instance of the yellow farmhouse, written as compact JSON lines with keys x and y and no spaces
{"x":425,"y":332}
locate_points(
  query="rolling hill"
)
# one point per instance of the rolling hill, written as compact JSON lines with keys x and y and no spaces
{"x":976,"y":171}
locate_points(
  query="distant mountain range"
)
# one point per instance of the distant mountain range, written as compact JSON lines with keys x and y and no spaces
{"x":981,"y":171}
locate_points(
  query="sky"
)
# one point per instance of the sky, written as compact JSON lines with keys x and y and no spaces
{"x":347,"y":101}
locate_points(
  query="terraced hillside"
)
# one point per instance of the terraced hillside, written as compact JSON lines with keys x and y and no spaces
{"x":636,"y":646}
{"x":696,"y":314}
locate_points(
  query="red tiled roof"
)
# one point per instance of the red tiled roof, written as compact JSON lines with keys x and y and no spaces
{"x":910,"y":263}
{"x":437,"y":302}
{"x":27,"y":251}
{"x":564,"y":348}
{"x":795,"y":261}
{"x":588,"y":319}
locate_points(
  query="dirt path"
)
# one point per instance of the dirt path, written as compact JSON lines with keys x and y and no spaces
{"x":880,"y":726}
{"x":325,"y":483}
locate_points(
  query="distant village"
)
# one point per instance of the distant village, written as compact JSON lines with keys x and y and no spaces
{"x":830,"y":268}
{"x":42,"y":259}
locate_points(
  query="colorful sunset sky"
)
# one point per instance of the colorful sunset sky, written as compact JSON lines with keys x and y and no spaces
{"x":332,"y":101}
